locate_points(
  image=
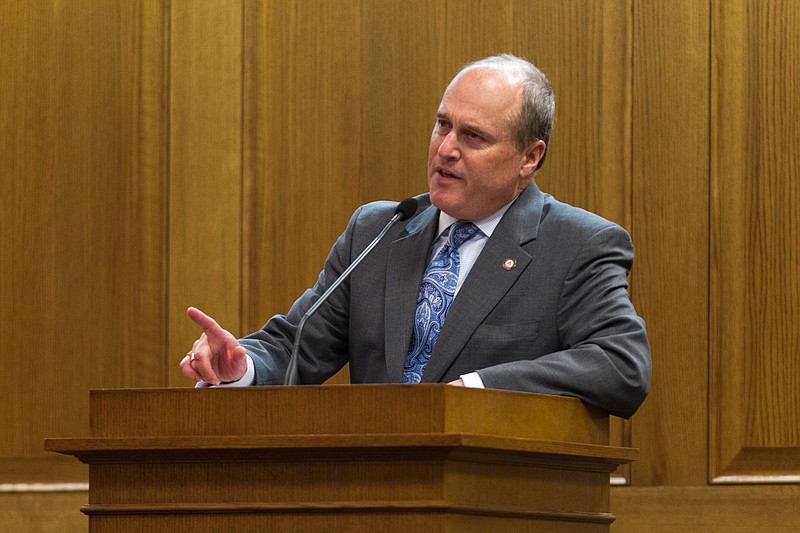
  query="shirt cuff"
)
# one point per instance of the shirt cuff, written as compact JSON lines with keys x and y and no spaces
{"x":247,"y":380}
{"x":472,"y":380}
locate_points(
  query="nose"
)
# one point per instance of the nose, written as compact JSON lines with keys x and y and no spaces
{"x":448,"y":148}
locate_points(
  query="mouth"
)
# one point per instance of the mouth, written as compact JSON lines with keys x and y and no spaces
{"x":446,"y":173}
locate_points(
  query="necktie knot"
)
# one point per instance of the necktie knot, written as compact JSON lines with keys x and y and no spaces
{"x":460,"y":232}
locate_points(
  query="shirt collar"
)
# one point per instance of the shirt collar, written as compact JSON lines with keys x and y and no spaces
{"x":486,"y":225}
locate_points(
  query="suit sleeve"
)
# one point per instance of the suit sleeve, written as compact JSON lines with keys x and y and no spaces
{"x":324,"y":342}
{"x":605,"y":356}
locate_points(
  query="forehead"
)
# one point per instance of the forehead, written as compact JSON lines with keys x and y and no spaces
{"x":482,"y":95}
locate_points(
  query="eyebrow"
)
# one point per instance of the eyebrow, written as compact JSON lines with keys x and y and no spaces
{"x":466,"y":127}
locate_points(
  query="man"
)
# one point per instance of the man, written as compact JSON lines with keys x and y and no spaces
{"x":534,"y":291}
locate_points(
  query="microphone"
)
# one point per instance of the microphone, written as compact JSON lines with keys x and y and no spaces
{"x":404,"y":210}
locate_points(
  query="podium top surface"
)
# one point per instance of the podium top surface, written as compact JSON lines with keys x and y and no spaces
{"x":344,"y":410}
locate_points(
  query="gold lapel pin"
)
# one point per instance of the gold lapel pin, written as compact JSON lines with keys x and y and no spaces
{"x":508,"y":264}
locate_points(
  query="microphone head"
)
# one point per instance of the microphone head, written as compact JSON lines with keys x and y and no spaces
{"x":406,"y":208}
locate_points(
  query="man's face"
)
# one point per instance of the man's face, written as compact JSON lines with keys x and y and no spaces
{"x":474,"y":167}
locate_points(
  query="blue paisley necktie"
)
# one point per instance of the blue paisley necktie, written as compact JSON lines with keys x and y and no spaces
{"x":436,"y":293}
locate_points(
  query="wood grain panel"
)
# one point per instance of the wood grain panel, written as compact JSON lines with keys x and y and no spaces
{"x":755,"y":292}
{"x":402,"y":79}
{"x":43,"y":512}
{"x":670,"y":230}
{"x":584,"y":48}
{"x":82,"y":241}
{"x":303,"y":143}
{"x":205,"y":194}
{"x":81,"y":229}
{"x":716,"y":509}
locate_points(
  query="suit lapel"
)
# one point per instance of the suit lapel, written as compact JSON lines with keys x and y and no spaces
{"x":488,"y":281}
{"x":406,"y":263}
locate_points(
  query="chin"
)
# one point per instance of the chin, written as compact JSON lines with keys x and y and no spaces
{"x":439,"y":200}
{"x":450,"y":208}
{"x":450,"y":201}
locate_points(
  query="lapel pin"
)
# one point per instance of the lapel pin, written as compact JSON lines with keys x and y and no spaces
{"x":509,"y":264}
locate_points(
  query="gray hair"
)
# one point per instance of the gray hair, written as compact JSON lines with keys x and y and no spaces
{"x":537,"y":114}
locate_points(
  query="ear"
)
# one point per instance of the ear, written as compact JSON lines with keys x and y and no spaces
{"x":532,"y":155}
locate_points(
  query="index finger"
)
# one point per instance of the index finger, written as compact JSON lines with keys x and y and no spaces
{"x":206,"y":323}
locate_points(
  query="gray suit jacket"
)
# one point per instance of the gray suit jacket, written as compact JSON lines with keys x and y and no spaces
{"x":559,"y":322}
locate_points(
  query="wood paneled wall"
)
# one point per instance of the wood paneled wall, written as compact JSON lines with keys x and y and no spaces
{"x":160,"y":155}
{"x":755,"y":254}
{"x":670,"y":202}
{"x":83,"y":152}
{"x":339,"y":106}
{"x":205,"y":223}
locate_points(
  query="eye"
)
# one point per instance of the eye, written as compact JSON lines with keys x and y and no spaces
{"x":474,"y":138}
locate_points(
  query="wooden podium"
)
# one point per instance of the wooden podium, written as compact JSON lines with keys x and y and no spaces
{"x":371,"y":458}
